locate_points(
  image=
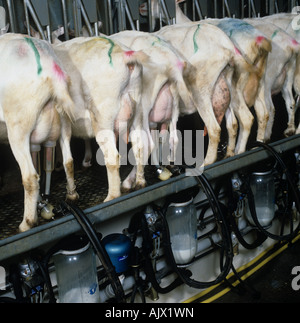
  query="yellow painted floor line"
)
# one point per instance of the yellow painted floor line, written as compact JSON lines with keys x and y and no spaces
{"x":245,"y":276}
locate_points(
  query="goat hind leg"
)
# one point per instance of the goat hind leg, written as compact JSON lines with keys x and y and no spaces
{"x":20,"y":148}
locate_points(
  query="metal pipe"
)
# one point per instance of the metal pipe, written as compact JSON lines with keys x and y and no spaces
{"x":65,"y":18}
{"x":35,"y":19}
{"x":96,"y":29}
{"x":160,"y":15}
{"x":49,"y":36}
{"x":216,"y":8}
{"x":75,"y":17}
{"x":252,"y":9}
{"x":165,"y":11}
{"x":12,"y":18}
{"x":150,"y":16}
{"x":26,"y":18}
{"x":129,"y":16}
{"x":226,"y":6}
{"x":86,"y":18}
{"x":110,"y":20}
{"x":193,"y":10}
{"x":198,"y":10}
{"x":121,"y":15}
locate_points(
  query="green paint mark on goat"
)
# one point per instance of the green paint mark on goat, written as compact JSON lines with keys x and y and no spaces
{"x":196,"y":47}
{"x":275,"y":33}
{"x":36,"y":53}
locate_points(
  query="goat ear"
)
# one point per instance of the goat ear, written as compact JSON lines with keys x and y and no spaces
{"x":180,"y":1}
{"x":34,"y":33}
{"x":4,"y":30}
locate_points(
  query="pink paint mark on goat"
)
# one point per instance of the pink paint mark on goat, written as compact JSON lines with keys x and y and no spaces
{"x":58,"y":71}
{"x":259,"y":39}
{"x":22,"y":50}
{"x":237,"y":51}
{"x":129,"y":53}
{"x":180,"y":65}
{"x":295,"y":43}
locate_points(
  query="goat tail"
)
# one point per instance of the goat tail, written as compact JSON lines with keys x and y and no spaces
{"x":61,"y":84}
{"x":135,"y":61}
{"x":264,"y":44}
{"x":180,"y":75}
{"x":186,"y":95}
{"x":135,"y":57}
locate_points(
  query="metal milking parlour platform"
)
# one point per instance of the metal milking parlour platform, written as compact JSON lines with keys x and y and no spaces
{"x":92,"y":187}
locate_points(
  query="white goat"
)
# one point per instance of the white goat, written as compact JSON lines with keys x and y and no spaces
{"x":106,"y":89}
{"x":33,"y":89}
{"x":280,"y":72}
{"x":163,"y":86}
{"x":247,"y":77}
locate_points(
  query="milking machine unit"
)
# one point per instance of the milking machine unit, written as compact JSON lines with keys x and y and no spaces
{"x":266,"y":197}
{"x":76,"y":272}
{"x":44,"y":207}
{"x":182,"y":221}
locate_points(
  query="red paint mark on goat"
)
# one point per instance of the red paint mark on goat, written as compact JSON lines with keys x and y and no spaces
{"x":295,"y":43}
{"x":58,"y":71}
{"x":259,"y":39}
{"x":129,"y":53}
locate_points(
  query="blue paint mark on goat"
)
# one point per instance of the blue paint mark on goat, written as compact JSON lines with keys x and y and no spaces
{"x":232,"y":27}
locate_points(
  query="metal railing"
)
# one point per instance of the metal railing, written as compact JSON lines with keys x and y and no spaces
{"x":39,"y":236}
{"x":84,"y":16}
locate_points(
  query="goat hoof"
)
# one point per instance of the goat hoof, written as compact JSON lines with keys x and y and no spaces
{"x":86,"y":164}
{"x":73,"y":197}
{"x":289,"y":133}
{"x":26,"y":225}
{"x":111,"y":197}
{"x":126,"y":187}
{"x":125,"y":190}
{"x":139,"y":186}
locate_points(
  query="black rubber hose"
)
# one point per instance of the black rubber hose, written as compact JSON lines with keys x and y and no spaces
{"x":293,"y":188}
{"x":99,"y":249}
{"x":15,"y":280}
{"x":148,"y":267}
{"x":261,"y":236}
{"x":45,"y":273}
{"x":232,"y":206}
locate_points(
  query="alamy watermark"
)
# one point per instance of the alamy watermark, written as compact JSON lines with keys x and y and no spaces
{"x":2,"y":278}
{"x":296,"y":279}
{"x":188,"y":151}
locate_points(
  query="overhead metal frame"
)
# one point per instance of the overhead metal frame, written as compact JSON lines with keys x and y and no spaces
{"x":130,"y":203}
{"x":117,"y":15}
{"x":39,"y":12}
